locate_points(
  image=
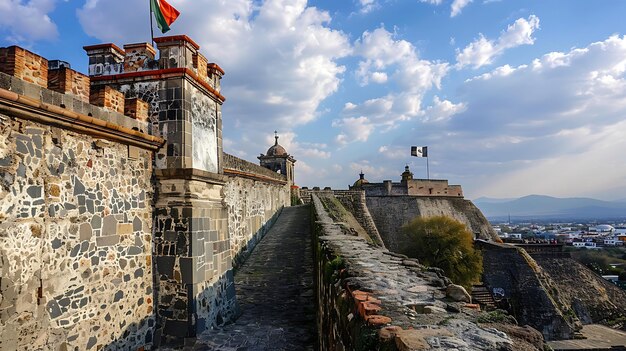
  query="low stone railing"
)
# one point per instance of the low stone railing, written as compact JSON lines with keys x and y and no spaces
{"x":372,"y":299}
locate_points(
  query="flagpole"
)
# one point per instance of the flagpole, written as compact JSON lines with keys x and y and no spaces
{"x":151,"y":26}
{"x":427,"y":169}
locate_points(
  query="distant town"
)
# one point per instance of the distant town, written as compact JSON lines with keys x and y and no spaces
{"x":587,"y":235}
{"x":607,"y":240}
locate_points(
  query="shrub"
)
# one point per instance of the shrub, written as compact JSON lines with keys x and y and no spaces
{"x":447,"y":244}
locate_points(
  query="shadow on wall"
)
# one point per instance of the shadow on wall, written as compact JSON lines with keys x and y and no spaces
{"x":245,"y":252}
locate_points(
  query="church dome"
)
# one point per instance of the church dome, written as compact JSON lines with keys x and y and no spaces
{"x":361,"y":180}
{"x":276,"y":149}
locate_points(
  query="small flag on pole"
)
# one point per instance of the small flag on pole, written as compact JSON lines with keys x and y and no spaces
{"x":419,"y":151}
{"x":164,"y":13}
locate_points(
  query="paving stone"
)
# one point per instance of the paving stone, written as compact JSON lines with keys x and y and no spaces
{"x":275,"y":292}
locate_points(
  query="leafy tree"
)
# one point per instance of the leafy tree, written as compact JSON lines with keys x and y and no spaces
{"x":445,"y":243}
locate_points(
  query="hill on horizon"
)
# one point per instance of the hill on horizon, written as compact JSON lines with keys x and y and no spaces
{"x":542,"y":206}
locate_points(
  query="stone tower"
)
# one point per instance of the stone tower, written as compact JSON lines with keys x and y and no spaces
{"x":278,"y":160}
{"x":194,"y":287}
{"x":407,"y":175}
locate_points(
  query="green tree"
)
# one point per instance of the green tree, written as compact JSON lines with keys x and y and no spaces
{"x":447,"y":244}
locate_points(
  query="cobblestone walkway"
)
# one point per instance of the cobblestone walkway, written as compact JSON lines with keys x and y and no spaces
{"x":275,"y":292}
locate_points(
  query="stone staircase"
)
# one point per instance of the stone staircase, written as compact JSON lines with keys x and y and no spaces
{"x":482,"y":296}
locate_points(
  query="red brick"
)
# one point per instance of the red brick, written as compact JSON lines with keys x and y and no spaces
{"x":24,"y":65}
{"x":67,"y":81}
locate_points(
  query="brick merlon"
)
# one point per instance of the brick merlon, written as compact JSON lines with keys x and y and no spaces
{"x":175,"y":38}
{"x":104,"y":46}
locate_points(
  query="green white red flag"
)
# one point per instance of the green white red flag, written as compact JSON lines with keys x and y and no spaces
{"x":164,"y":13}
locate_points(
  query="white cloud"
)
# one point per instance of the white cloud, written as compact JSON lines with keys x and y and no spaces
{"x":353,"y":129}
{"x":368,"y":5}
{"x":371,"y":172}
{"x":555,"y":126}
{"x":483,"y":51}
{"x":379,"y":77}
{"x":457,"y":6}
{"x":289,"y":141}
{"x":26,"y":21}
{"x":395,"y":62}
{"x":393,"y":152}
{"x":442,"y":110}
{"x":280,"y":56}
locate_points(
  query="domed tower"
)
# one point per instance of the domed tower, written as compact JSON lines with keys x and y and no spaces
{"x":406,"y":175}
{"x":278,"y":160}
{"x":359,"y":183}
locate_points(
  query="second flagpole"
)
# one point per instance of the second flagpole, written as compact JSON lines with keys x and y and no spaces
{"x":151,"y":25}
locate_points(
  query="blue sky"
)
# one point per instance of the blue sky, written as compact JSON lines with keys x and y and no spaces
{"x":511,"y":97}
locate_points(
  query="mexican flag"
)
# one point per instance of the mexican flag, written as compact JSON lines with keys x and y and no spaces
{"x":164,"y":13}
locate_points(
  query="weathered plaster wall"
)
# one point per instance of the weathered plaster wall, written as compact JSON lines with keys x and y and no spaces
{"x":75,"y":241}
{"x":390,"y":213}
{"x":370,"y":299}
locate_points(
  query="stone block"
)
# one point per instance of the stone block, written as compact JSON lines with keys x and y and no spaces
{"x":24,"y":65}
{"x":67,"y":81}
{"x":124,"y":228}
{"x":138,"y":57}
{"x":137,"y":109}
{"x":109,"y":240}
{"x":165,"y":265}
{"x":108,"y":98}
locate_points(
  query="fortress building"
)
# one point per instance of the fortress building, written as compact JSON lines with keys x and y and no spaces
{"x":278,"y":160}
{"x":408,"y":186}
{"x":121,"y":218}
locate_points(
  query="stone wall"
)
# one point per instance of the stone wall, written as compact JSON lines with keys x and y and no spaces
{"x":353,"y":201}
{"x":75,"y":240}
{"x":390,"y":213}
{"x":244,"y":167}
{"x":371,"y":299}
{"x":414,"y":187}
{"x":591,"y":297}
{"x":527,"y":290}
{"x":252,"y":207}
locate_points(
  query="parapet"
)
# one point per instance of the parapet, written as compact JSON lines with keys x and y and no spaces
{"x":63,"y":94}
{"x":177,"y":54}
{"x":25,"y":65}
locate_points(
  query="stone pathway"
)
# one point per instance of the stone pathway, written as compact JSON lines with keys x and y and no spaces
{"x":275,"y":292}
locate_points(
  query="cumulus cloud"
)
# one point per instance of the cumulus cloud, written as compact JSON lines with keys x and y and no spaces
{"x":27,"y":21}
{"x":395,"y":62}
{"x":542,"y":122}
{"x":370,"y":171}
{"x":442,"y":110}
{"x":280,"y":56}
{"x":368,"y":5}
{"x":393,"y":152}
{"x":289,"y":141}
{"x":483,"y":51}
{"x":353,"y":129}
{"x":457,"y":6}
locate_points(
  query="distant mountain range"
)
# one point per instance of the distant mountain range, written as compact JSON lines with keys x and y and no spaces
{"x":547,"y":207}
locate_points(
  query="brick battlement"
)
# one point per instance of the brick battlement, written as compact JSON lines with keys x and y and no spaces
{"x":179,"y":52}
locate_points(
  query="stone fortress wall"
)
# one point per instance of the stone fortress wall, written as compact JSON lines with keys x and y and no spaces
{"x":76,"y":215}
{"x":373,"y":299}
{"x":121,"y":216}
{"x":383,"y":208}
{"x":390,"y":213}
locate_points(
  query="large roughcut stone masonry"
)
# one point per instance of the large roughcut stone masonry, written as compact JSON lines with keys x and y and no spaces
{"x":120,"y":219}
